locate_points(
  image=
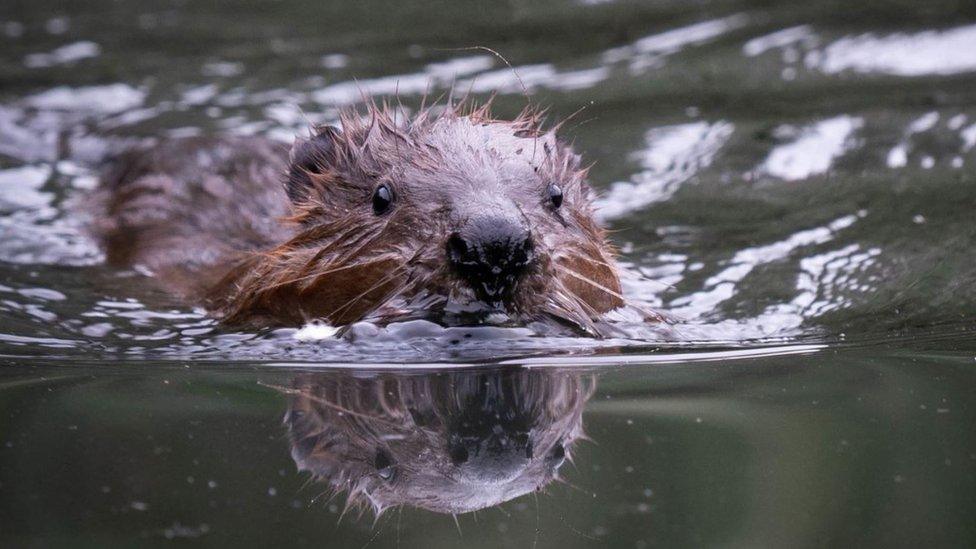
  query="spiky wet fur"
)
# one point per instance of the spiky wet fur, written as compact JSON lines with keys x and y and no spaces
{"x":331,"y":257}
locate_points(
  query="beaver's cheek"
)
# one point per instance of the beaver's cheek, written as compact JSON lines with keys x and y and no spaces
{"x":592,"y":279}
{"x":347,"y":295}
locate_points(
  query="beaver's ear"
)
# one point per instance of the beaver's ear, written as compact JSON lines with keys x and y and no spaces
{"x":314,"y":155}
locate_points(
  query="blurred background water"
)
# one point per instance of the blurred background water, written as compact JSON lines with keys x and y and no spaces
{"x":794,"y":181}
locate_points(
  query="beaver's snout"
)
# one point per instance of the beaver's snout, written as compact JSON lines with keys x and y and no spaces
{"x":499,"y":457}
{"x":490,"y":253}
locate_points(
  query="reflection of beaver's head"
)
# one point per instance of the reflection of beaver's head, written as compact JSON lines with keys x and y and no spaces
{"x":449,"y":443}
{"x":448,"y":208}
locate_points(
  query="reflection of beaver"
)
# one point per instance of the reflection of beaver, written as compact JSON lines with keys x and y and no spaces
{"x":445,"y":210}
{"x":449,"y":443}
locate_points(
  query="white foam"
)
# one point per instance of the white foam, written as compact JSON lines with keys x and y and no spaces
{"x":316,"y":331}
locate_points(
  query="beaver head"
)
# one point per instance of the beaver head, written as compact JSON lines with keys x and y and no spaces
{"x":447,"y":443}
{"x":451,"y":209}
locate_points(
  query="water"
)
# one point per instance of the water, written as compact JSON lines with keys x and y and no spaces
{"x":794,"y":182}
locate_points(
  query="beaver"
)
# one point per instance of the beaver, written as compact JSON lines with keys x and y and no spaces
{"x":376,"y":218}
{"x":446,"y":442}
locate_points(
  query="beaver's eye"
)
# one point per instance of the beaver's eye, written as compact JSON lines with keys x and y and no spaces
{"x":382,"y":200}
{"x":385,"y":467}
{"x":557,"y":455}
{"x":555,"y":195}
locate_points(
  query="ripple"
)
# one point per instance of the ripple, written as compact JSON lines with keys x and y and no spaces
{"x":31,"y":240}
{"x":945,"y":52}
{"x":969,"y":138}
{"x":434,"y":75}
{"x":825,"y":277}
{"x":71,"y":53}
{"x":20,"y":188}
{"x":672,"y":156}
{"x":35,"y":230}
{"x":814,"y":151}
{"x":460,"y":66}
{"x":650,"y":51}
{"x":779,"y":39}
{"x":107,"y":99}
{"x":334,"y":61}
{"x":535,"y":76}
{"x":722,"y":285}
{"x":28,"y":138}
{"x":898,"y":155}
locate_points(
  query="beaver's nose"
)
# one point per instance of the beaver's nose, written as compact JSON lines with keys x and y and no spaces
{"x":490,"y":254}
{"x":499,"y":457}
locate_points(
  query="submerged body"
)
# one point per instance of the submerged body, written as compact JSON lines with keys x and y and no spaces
{"x":451,"y":212}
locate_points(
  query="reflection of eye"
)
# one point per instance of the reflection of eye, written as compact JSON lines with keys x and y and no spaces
{"x":555,"y":195}
{"x":382,"y":199}
{"x":385,"y":467}
{"x":557,"y":455}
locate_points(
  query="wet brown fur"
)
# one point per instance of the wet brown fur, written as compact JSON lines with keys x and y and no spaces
{"x":210,"y":217}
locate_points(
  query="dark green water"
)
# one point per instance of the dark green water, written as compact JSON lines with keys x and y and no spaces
{"x":793,"y":180}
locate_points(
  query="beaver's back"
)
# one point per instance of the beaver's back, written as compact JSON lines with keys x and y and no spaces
{"x":187,"y":208}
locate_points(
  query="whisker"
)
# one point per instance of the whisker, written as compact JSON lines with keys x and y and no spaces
{"x":593,"y":283}
{"x":327,"y":404}
{"x":646,"y":312}
{"x":568,"y":309}
{"x":310,"y":263}
{"x":593,"y":260}
{"x":366,"y":292}
{"x":563,"y":122}
{"x":615,"y":268}
{"x":317,"y":274}
{"x":639,"y":275}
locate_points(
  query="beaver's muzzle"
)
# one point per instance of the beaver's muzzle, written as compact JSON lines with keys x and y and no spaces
{"x":490,"y":253}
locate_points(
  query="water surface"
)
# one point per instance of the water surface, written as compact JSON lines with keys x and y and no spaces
{"x":793,"y":181}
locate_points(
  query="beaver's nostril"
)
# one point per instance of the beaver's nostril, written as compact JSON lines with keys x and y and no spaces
{"x":458,"y":250}
{"x":459,"y":454}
